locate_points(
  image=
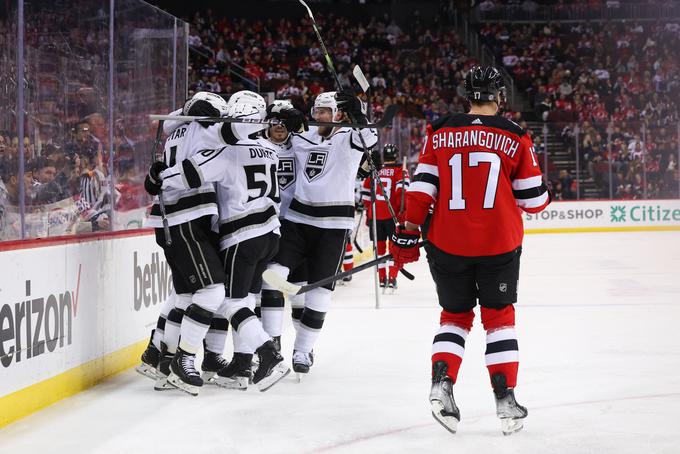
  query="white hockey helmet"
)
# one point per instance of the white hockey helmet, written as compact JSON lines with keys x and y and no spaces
{"x":326,"y":99}
{"x":214,"y":99}
{"x":246,"y":102}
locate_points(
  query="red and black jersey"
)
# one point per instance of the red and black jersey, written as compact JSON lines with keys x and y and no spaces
{"x":476,"y":170}
{"x":395,"y":180}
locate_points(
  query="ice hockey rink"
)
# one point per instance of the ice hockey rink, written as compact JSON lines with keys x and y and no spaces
{"x":600,"y":372}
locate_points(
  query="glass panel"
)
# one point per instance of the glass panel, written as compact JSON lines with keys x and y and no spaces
{"x":10,"y":220}
{"x":143,"y":48}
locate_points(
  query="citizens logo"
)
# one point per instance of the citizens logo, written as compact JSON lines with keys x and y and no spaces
{"x":38,"y":325}
{"x":618,"y":213}
{"x":153,"y":281}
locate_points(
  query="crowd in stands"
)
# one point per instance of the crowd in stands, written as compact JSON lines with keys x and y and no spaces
{"x":594,"y":74}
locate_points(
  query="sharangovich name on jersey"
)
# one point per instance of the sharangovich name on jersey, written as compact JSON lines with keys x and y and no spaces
{"x":153,"y":280}
{"x":37,"y":325}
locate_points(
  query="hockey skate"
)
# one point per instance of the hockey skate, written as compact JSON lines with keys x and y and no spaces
{"x":277,"y":343}
{"x":301,"y":363}
{"x":163,"y":370}
{"x":150,"y":359}
{"x":508,"y":410}
{"x":271,"y":369}
{"x":347,"y":279}
{"x":236,"y":374}
{"x":212,"y":363}
{"x":444,"y":408}
{"x":183,"y":374}
{"x":391,"y":285}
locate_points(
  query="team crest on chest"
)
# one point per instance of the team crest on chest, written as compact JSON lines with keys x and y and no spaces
{"x":286,"y":172}
{"x":316,"y":162}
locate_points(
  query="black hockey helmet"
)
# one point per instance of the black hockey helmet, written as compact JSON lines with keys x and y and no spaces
{"x":390,"y":152}
{"x":483,"y":83}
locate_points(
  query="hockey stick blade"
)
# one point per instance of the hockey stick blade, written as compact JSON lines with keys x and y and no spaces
{"x":361,"y":78}
{"x":279,"y":283}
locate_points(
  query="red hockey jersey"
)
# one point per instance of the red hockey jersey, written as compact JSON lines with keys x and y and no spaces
{"x":395,"y":180}
{"x":476,"y":170}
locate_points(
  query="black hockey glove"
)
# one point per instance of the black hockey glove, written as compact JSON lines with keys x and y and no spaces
{"x":349,"y":103}
{"x":153,"y":181}
{"x":200,"y":108}
{"x":364,"y":167}
{"x":293,"y":119}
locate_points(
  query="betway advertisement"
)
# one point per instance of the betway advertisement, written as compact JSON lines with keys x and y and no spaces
{"x":65,"y":305}
{"x":606,"y":215}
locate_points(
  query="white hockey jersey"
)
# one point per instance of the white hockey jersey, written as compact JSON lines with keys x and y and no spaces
{"x":247,"y":186}
{"x":325,"y":174}
{"x":286,"y":174}
{"x":184,"y":203}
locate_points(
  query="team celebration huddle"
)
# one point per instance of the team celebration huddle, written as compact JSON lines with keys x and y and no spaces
{"x":246,"y":189}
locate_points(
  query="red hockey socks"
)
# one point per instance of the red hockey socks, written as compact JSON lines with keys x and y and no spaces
{"x":348,"y":261}
{"x":502,"y":355}
{"x":449,"y":342}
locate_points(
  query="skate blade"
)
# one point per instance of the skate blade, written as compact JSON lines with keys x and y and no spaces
{"x":175,"y":381}
{"x":163,"y":385}
{"x":278,"y":372}
{"x":449,"y":423}
{"x":147,"y":370}
{"x":209,"y":377}
{"x":238,"y":383}
{"x":510,"y":426}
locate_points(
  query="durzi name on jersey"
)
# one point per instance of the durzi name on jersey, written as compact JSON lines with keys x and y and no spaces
{"x":475,"y":137}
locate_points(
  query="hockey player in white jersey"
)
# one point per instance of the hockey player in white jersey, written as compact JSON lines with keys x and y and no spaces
{"x":198,"y":275}
{"x":247,"y":190}
{"x":314,"y":227}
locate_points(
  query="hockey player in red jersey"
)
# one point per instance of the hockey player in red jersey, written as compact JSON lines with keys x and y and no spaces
{"x":395,"y":180}
{"x":477,"y":169}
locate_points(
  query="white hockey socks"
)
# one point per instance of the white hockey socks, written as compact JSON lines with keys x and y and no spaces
{"x":317,"y":303}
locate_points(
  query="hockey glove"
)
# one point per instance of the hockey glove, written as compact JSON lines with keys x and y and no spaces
{"x":153,"y":181}
{"x":293,"y":119}
{"x":201,"y":108}
{"x":364,"y":166}
{"x":404,"y":246}
{"x":351,"y":105}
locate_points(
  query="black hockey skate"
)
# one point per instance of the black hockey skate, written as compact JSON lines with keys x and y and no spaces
{"x":392,"y":284}
{"x":212,"y":363}
{"x":271,"y":369}
{"x":277,"y":343}
{"x":163,"y":370}
{"x":183,"y":373}
{"x":347,"y":279}
{"x":508,"y":410}
{"x":150,"y":359}
{"x":236,"y":374}
{"x":444,"y":408}
{"x":302,"y":362}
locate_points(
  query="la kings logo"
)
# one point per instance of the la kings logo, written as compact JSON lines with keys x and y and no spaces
{"x":315,"y":164}
{"x":286,"y":172}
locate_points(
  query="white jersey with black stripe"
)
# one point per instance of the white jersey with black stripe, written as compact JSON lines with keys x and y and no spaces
{"x":247,"y":187}
{"x":287,"y":176}
{"x":183,"y":204}
{"x":325,"y":175}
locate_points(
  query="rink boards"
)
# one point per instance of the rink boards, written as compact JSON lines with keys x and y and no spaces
{"x":79,"y":310}
{"x":73,"y":313}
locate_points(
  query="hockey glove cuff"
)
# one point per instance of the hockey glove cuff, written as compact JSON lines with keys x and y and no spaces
{"x":404,"y":246}
{"x":153,"y":181}
{"x":365,"y":167}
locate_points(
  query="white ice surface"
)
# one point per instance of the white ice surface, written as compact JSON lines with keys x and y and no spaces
{"x":599,"y":333}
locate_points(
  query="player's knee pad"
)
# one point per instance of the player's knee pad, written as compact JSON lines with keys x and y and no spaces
{"x":279,"y":269}
{"x":199,"y":314}
{"x":318,"y":299}
{"x":498,"y":318}
{"x":175,"y":316}
{"x":210,"y":297}
{"x":272,"y":299}
{"x":460,"y":319}
{"x":233,"y":305}
{"x":182,"y":301}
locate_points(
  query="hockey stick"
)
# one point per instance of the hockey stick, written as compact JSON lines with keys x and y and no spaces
{"x":365,"y":86}
{"x":356,"y":233}
{"x":385,"y":121}
{"x":161,"y":203}
{"x":279,"y":283}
